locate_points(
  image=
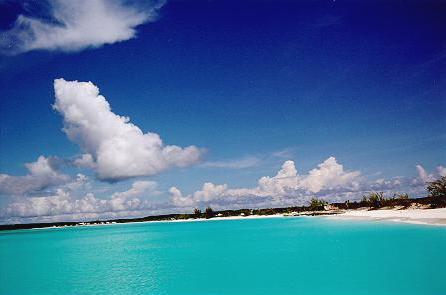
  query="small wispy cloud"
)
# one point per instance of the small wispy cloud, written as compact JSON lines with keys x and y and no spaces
{"x":250,"y":160}
{"x":76,"y":25}
{"x":242,"y":163}
{"x":284,"y":153}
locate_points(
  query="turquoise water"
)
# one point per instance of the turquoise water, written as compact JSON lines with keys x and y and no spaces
{"x":257,"y":256}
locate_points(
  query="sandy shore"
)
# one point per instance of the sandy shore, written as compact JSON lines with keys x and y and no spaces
{"x":418,"y":216}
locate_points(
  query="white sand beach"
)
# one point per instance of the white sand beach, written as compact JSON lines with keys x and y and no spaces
{"x":419,"y":216}
{"x":411,"y":215}
{"x":416,"y":216}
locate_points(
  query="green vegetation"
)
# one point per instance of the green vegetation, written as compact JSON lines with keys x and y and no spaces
{"x":209,"y":213}
{"x":197,"y":213}
{"x":317,"y":204}
{"x":374,"y":200}
{"x":404,"y":196}
{"x":377,"y":200}
{"x":437,"y":191}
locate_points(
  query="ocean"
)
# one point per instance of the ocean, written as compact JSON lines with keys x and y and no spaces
{"x":270,"y":256}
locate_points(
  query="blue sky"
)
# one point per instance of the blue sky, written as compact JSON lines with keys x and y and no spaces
{"x":244,"y":80}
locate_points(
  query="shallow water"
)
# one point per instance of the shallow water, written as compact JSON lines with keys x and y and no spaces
{"x":256,"y":256}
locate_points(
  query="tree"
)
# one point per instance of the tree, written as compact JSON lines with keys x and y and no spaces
{"x":398,"y":196}
{"x":437,"y":191}
{"x":317,"y":204}
{"x":209,"y":213}
{"x":197,"y":213}
{"x":374,"y":199}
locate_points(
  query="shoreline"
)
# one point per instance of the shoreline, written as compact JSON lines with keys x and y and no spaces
{"x":156,"y":221}
{"x":424,"y":216}
{"x":414,"y":216}
{"x":436,"y":217}
{"x":174,"y":221}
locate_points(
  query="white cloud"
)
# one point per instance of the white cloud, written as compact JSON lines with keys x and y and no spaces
{"x":330,"y":177}
{"x":41,"y":174}
{"x":119,"y":148}
{"x":423,"y":175}
{"x":242,"y":163}
{"x":38,"y":206}
{"x":85,"y":161}
{"x":128,"y":200}
{"x":178,"y":199}
{"x":77,"y":25}
{"x":80,"y":182}
{"x":209,"y":192}
{"x":441,"y":170}
{"x":328,"y":181}
{"x":284,"y":153}
{"x":74,"y":199}
{"x":382,"y":184}
{"x":63,"y":202}
{"x":285,"y":179}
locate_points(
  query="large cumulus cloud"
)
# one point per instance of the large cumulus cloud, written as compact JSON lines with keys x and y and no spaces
{"x":328,"y":177}
{"x":329,"y":181}
{"x":113,"y":146}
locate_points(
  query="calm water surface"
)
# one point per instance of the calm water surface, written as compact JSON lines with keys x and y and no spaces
{"x":257,"y":256}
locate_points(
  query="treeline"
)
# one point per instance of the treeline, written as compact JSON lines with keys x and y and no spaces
{"x":376,"y":200}
{"x":436,"y":198}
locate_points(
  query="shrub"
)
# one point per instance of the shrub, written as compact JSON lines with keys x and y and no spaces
{"x":317,"y":204}
{"x":374,"y":200}
{"x":197,"y":213}
{"x":398,"y":199}
{"x":209,"y":213}
{"x":183,"y":216}
{"x":404,"y":196}
{"x":437,"y":191}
